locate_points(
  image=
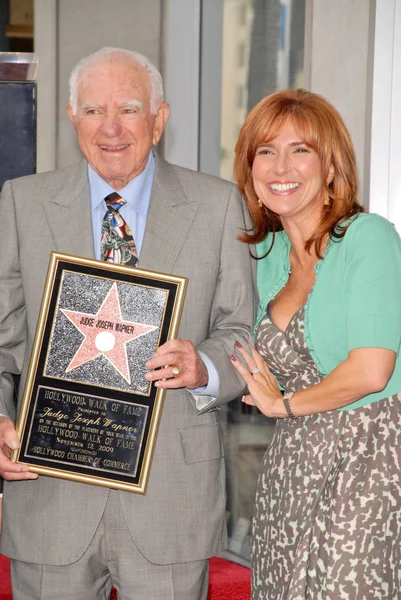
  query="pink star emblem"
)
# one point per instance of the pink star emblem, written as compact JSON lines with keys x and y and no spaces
{"x":105,"y":333}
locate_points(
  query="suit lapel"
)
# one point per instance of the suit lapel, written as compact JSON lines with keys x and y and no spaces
{"x":169,"y":219}
{"x":68,"y":213}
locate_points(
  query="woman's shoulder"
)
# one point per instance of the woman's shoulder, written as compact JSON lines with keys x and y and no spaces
{"x":370,"y":222}
{"x":371,"y":229}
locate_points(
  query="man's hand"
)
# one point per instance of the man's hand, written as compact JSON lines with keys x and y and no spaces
{"x":9,"y":441}
{"x":176,"y":364}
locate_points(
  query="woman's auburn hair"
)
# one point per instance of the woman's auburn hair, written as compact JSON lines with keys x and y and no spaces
{"x":321,"y":128}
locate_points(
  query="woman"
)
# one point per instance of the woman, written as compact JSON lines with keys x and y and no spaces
{"x":327,"y":519}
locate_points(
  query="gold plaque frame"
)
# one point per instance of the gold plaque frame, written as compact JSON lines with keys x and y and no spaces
{"x":87,"y":413}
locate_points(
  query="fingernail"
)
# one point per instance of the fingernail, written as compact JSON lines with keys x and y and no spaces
{"x":237,"y":345}
{"x":147,"y":364}
{"x":233,"y":358}
{"x":243,"y":399}
{"x":148,"y":377}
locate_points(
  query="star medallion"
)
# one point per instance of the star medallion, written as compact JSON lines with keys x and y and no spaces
{"x":106,"y":333}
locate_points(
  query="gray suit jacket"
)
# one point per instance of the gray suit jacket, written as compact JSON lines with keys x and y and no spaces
{"x":191,"y":230}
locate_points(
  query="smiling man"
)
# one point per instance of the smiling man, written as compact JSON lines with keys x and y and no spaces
{"x":113,"y":118}
{"x":71,"y":540}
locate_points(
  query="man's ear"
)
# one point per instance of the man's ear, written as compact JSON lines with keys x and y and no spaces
{"x":70,"y":113}
{"x":161,"y":120}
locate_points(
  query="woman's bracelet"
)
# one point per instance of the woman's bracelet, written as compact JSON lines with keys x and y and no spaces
{"x":286,"y":399}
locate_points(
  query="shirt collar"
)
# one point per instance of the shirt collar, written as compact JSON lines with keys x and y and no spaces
{"x":136,"y":192}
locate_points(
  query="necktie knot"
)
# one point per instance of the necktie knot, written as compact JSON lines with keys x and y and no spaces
{"x":114,"y":201}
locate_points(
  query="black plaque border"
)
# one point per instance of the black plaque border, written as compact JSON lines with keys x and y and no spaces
{"x":36,"y":379}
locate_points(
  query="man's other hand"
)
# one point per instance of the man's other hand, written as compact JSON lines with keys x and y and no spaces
{"x":9,"y":441}
{"x":177,"y":364}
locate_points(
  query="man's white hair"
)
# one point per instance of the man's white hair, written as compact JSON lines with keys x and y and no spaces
{"x":107,"y":53}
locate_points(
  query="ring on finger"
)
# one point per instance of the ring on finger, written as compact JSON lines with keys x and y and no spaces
{"x":176,"y":371}
{"x":254,"y":371}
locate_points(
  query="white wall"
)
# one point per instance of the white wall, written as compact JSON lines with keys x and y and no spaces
{"x":181,"y":81}
{"x":385,"y":183}
{"x":45,"y":43}
{"x":340,"y":35}
{"x":83,"y":27}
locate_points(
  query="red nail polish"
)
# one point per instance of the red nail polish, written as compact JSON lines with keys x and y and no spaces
{"x":233,"y":358}
{"x":237,"y":345}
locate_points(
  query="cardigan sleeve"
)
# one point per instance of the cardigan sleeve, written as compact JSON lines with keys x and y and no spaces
{"x":372,"y":284}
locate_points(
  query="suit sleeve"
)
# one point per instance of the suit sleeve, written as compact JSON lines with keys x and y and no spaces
{"x":232,"y":313}
{"x":12,"y":305}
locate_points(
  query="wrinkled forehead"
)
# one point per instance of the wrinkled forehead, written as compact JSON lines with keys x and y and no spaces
{"x":114,"y":76}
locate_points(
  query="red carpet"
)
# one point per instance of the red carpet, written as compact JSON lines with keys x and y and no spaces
{"x":5,"y":593}
{"x":228,"y":581}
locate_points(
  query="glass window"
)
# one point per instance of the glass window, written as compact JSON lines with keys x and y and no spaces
{"x":262,"y":51}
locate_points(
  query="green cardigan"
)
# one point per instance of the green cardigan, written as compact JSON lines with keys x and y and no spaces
{"x":356,"y":299}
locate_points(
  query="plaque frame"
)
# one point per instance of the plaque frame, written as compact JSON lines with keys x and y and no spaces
{"x":90,"y":424}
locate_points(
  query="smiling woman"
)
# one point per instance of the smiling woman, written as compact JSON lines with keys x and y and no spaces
{"x":326,"y":362}
{"x":287,"y":177}
{"x":293,"y":124}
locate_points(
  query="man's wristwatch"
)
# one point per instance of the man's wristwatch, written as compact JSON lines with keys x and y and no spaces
{"x":286,"y":399}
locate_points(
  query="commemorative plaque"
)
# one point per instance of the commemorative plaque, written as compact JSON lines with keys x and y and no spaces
{"x":87,"y":413}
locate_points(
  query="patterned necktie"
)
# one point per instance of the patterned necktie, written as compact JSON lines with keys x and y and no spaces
{"x":117,"y":244}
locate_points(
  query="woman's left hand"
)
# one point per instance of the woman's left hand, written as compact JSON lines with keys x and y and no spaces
{"x":264,"y":392}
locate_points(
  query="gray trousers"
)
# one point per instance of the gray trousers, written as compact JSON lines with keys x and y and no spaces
{"x":111,"y":559}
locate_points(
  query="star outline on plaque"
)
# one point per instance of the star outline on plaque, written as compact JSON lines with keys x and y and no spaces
{"x":106,"y":334}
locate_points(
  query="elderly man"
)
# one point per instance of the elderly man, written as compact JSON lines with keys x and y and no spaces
{"x":72,"y":540}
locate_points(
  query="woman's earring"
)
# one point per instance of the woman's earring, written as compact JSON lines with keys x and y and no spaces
{"x":326,"y":200}
{"x":260,"y":203}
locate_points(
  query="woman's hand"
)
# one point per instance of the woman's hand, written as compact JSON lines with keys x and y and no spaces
{"x":264,"y":392}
